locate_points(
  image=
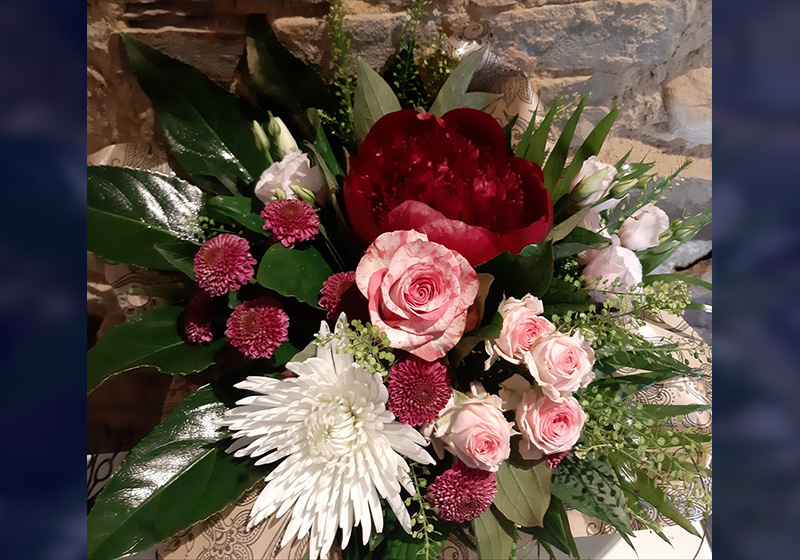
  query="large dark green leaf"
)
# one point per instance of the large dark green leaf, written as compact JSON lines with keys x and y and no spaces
{"x":282,"y":82}
{"x":239,"y":209}
{"x":590,"y":147}
{"x":178,"y":475}
{"x":153,"y":341}
{"x":402,"y":546}
{"x":454,"y":90}
{"x":203,"y":124}
{"x":577,"y":241}
{"x":564,"y":228}
{"x":523,"y":491}
{"x":627,"y":385}
{"x":297,"y":273}
{"x":179,"y":254}
{"x":494,"y":535}
{"x":556,"y":530}
{"x":528,"y":272}
{"x":373,"y":99}
{"x":129,"y":211}
{"x":591,"y":487}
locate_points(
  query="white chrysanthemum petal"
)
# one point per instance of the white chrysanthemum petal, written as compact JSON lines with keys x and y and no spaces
{"x":342,"y":450}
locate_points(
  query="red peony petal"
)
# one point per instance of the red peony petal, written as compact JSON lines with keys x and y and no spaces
{"x":479,"y":127}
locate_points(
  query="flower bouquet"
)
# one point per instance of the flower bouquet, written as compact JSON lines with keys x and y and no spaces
{"x":424,"y":324}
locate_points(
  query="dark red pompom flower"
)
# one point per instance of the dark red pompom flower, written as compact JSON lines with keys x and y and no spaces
{"x":461,"y":493}
{"x":450,"y":178}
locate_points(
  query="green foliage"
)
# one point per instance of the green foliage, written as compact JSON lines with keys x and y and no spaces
{"x":129,"y":211}
{"x":177,"y":475}
{"x":577,"y":241}
{"x":282,"y":82}
{"x":529,"y":271}
{"x":489,"y":331}
{"x":366,"y":343}
{"x":239,"y":209}
{"x":373,"y":99}
{"x":297,"y":273}
{"x":523,"y":491}
{"x":454,"y":91}
{"x":154,"y":341}
{"x":203,"y":125}
{"x":591,"y":486}
{"x":535,"y":137}
{"x":555,"y":530}
{"x":341,"y":120}
{"x":180,"y":254}
{"x":425,"y":527}
{"x":437,"y":66}
{"x":494,"y":535}
{"x":558,"y":156}
{"x":680,"y":231}
{"x":402,"y":73}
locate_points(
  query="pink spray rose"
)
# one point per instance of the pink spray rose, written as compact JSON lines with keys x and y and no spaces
{"x":522,"y":326}
{"x":561,"y":364}
{"x":473,"y":428}
{"x":419,"y":292}
{"x":548,"y":427}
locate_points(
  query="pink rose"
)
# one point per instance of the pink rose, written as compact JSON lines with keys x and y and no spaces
{"x":419,"y":292}
{"x":597,"y":178}
{"x":473,"y":428}
{"x":522,"y":326}
{"x":548,"y":426}
{"x":643,"y":228}
{"x":615,"y":261}
{"x":561,"y":364}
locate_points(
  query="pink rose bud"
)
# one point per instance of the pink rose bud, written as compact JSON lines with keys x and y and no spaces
{"x":643,"y":228}
{"x":548,"y":427}
{"x":419,"y":292}
{"x":474,"y":429}
{"x":561,"y":364}
{"x":522,"y":326}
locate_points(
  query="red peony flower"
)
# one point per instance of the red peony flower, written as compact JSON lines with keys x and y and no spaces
{"x":449,"y":178}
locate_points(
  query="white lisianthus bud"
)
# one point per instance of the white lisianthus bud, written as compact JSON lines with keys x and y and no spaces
{"x":304,"y":194}
{"x":592,"y":182}
{"x":643,"y":229}
{"x":282,"y":140}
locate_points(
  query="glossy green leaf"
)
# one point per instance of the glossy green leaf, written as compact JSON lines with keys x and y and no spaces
{"x":129,"y":211}
{"x":528,"y":272}
{"x":180,"y":254}
{"x":451,"y":95}
{"x":558,"y":155}
{"x":556,"y":530}
{"x":323,"y":146}
{"x":626,"y":385}
{"x":489,"y":331}
{"x":523,"y":491}
{"x":204,"y":126}
{"x":591,"y":487}
{"x":373,"y":99}
{"x":297,"y":273}
{"x":538,"y":141}
{"x":239,"y":209}
{"x":494,"y":535}
{"x":577,"y":241}
{"x":282,"y":82}
{"x":178,"y":475}
{"x":402,"y":546}
{"x":154,"y":341}
{"x":590,"y":147}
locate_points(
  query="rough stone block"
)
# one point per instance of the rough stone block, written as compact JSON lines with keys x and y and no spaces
{"x":687,"y":99}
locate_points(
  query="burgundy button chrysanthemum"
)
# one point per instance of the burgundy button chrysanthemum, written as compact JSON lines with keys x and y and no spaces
{"x":223,"y":264}
{"x":258,"y":327}
{"x":341,"y":295}
{"x":198,"y":318}
{"x":556,"y":458}
{"x":418,"y":390}
{"x":461,"y":493}
{"x":290,"y":221}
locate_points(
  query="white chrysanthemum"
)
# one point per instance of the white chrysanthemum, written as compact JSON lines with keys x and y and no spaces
{"x":341,"y":448}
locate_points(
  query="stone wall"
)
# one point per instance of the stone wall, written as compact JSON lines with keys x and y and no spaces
{"x":652,"y":57}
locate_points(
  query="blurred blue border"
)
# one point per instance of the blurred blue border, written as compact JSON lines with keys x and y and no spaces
{"x":756,"y":245}
{"x":42,"y":283}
